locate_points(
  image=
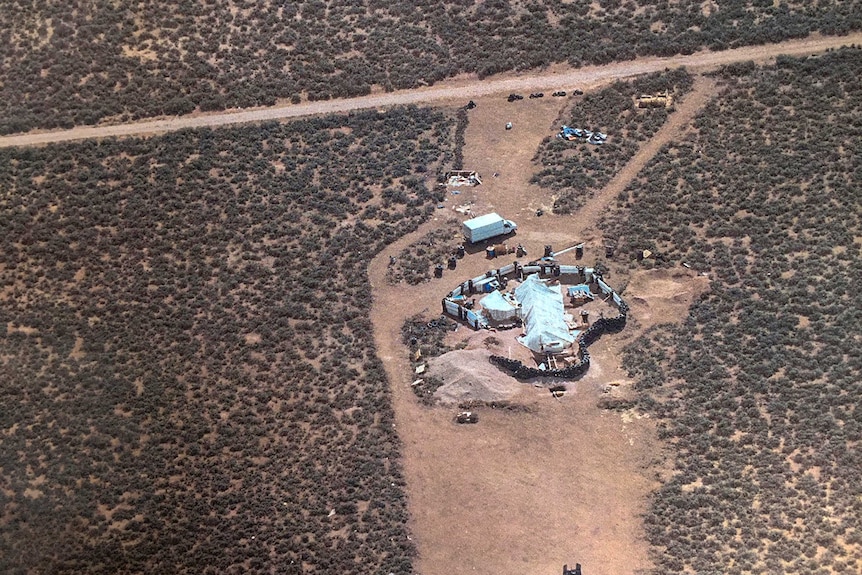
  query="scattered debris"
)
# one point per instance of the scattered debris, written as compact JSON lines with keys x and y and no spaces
{"x":504,"y":249}
{"x":470,"y":105}
{"x":567,"y":133}
{"x":579,"y":294}
{"x":466,"y":209}
{"x":595,"y":138}
{"x":655,"y":100}
{"x":463,"y":178}
{"x":420,"y":369}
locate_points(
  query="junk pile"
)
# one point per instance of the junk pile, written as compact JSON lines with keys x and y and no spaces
{"x":655,"y":100}
{"x":463,"y":178}
{"x":571,"y":134}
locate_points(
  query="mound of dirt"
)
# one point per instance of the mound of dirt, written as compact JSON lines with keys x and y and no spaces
{"x":467,"y":375}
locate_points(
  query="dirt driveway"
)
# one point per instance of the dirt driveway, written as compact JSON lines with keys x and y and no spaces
{"x":563,"y":482}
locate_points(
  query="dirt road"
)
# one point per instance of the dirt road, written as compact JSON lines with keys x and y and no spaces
{"x":676,"y":124}
{"x":566,"y":481}
{"x":458,"y":89}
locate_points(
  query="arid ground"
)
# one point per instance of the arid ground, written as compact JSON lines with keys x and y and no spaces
{"x":561,"y":482}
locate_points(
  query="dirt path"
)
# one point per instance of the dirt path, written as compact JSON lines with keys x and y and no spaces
{"x":566,"y":482}
{"x":458,"y":89}
{"x":588,"y":216}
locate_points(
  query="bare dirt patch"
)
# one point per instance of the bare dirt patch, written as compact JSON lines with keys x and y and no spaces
{"x":520,"y":491}
{"x":663,"y":296}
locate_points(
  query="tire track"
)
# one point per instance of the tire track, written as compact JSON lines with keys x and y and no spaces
{"x":676,"y":125}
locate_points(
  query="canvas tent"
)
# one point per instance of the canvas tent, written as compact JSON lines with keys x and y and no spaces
{"x":498,"y":308}
{"x":543,"y":315}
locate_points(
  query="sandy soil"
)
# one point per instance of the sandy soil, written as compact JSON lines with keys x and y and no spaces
{"x":458,"y":89}
{"x":563,"y":481}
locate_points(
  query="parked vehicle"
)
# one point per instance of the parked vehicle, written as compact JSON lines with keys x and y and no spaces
{"x":513,"y":97}
{"x":487,"y":226}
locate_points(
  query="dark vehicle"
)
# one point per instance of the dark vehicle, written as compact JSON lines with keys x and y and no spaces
{"x":466,"y":417}
{"x":537,"y":95}
{"x":560,"y":93}
{"x":513,"y":97}
{"x":578,"y":92}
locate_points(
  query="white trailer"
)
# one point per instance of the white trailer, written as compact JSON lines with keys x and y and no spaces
{"x":487,"y":226}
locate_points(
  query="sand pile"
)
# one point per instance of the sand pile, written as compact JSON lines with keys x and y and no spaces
{"x":467,"y":375}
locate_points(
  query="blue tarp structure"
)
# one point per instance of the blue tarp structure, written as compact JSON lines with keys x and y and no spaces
{"x":498,"y":308}
{"x":543,"y":314}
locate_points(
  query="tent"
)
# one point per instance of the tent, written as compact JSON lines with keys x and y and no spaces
{"x":498,"y":308}
{"x":544,"y":316}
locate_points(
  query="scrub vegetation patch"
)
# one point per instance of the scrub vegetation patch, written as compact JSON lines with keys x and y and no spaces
{"x":757,"y":392}
{"x":189,"y":385}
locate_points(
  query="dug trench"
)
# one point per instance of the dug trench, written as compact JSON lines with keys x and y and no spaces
{"x":563,"y":480}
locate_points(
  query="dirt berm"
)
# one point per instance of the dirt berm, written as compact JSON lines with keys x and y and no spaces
{"x":467,"y":375}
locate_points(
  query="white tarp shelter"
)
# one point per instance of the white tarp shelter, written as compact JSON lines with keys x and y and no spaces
{"x":498,"y":308}
{"x":543,"y":315}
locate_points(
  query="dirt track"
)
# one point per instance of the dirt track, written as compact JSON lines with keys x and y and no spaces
{"x":566,"y":482}
{"x":459,"y":89}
